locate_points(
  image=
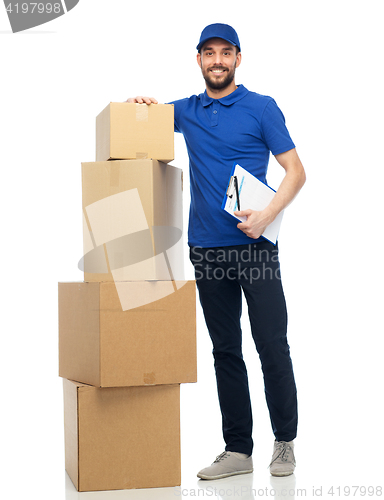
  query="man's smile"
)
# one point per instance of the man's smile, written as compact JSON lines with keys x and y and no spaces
{"x":218,"y":71}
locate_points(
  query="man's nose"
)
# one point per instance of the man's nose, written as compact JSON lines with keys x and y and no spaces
{"x":217,"y":59}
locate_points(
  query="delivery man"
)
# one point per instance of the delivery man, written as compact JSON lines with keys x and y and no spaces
{"x":226,"y":124}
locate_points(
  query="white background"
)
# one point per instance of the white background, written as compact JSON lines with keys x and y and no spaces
{"x":322,"y":62}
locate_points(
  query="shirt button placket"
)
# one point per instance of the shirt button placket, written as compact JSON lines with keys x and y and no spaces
{"x":215,"y":115}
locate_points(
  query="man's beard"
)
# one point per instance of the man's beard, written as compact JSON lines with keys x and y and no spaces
{"x":219,"y":83}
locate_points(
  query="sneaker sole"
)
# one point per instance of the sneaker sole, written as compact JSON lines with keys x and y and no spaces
{"x":220,"y":476}
{"x":281,"y":474}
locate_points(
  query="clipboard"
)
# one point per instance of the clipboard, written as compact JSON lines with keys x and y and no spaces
{"x":248,"y":191}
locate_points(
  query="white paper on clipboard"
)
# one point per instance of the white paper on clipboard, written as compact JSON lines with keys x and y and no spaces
{"x":254,"y":195}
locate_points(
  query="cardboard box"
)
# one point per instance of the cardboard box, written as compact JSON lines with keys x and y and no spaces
{"x":150,"y":343}
{"x":132,"y":220}
{"x":135,"y":131}
{"x":119,"y":438}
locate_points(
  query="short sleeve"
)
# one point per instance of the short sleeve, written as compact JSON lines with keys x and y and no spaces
{"x":274,"y":130}
{"x":178,"y":106}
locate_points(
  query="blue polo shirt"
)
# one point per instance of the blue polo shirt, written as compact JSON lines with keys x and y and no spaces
{"x":244,"y":127}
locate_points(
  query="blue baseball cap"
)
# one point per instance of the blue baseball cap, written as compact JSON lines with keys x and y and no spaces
{"x":218,"y":30}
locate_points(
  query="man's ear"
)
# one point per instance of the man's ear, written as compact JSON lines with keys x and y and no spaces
{"x":238,"y":59}
{"x":198,"y":59}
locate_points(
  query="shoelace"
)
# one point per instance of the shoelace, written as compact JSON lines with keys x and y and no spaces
{"x":220,"y":457}
{"x":282,"y":451}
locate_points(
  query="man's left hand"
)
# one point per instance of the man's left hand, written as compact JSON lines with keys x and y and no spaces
{"x":255,"y":224}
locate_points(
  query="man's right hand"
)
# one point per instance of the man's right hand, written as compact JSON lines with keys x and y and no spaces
{"x":141,"y":100}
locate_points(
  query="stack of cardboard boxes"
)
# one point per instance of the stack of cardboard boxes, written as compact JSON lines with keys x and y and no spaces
{"x":127,"y":334}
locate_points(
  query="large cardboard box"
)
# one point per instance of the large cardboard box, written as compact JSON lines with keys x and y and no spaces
{"x":132,"y":220}
{"x":128,"y":333}
{"x":119,"y":438}
{"x":135,"y":131}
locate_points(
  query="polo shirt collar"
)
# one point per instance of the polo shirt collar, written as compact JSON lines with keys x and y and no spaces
{"x":229,"y":99}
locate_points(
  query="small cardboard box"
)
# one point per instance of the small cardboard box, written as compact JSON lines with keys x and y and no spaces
{"x":135,"y":131}
{"x":132,"y":221}
{"x":128,"y":333}
{"x":120,"y":438}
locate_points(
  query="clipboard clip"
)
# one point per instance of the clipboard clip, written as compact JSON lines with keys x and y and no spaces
{"x":234,"y":186}
{"x":230,"y":187}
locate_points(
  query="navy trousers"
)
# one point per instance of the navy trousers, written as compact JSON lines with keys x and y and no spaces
{"x":222,"y":273}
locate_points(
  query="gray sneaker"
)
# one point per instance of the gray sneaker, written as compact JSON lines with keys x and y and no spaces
{"x":283,"y":460}
{"x":227,"y":464}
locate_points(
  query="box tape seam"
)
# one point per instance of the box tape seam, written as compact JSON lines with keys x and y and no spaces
{"x":141,"y":156}
{"x":142,"y":112}
{"x":114,"y":174}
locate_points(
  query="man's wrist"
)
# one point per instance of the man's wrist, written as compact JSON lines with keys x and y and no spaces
{"x":269,"y":214}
